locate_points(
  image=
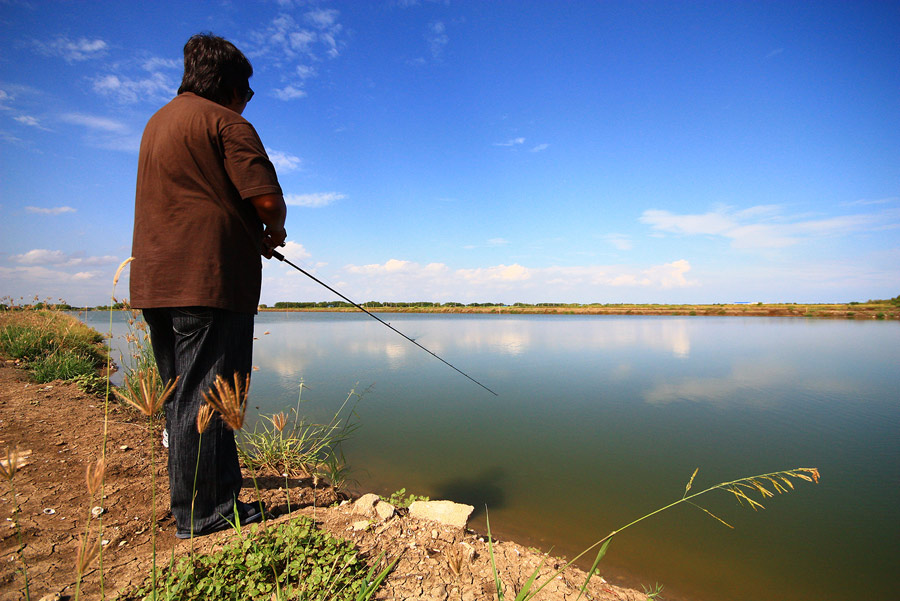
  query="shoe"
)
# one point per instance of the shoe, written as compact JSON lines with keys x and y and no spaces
{"x":248,"y":514}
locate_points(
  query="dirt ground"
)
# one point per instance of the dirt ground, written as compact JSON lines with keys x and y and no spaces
{"x":63,"y":428}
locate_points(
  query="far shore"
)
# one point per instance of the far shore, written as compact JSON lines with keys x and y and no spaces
{"x":876,"y":311}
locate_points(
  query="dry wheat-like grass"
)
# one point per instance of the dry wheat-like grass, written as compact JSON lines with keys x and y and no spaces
{"x":14,"y":460}
{"x":94,"y":476}
{"x":87,"y":553}
{"x":204,"y":416}
{"x":230,"y":401}
{"x":279,"y":420}
{"x":144,"y":393}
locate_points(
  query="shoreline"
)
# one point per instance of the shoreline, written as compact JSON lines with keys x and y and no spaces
{"x":878,"y":312}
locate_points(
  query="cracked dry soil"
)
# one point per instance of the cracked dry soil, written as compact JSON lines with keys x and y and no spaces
{"x":63,"y":429}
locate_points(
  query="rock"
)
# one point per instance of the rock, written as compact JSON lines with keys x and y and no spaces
{"x":97,"y":511}
{"x":365,"y":505}
{"x":443,"y":512}
{"x":371,"y":505}
{"x":361,"y":525}
{"x":384,"y":510}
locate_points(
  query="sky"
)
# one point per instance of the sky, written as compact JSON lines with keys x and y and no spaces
{"x":483,"y":151}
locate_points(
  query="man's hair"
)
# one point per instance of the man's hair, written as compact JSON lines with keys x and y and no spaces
{"x":214,"y":68}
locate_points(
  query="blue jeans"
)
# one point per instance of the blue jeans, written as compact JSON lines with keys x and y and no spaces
{"x":196,"y":344}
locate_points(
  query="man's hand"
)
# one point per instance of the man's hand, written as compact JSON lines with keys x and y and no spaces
{"x":272,"y":239}
{"x":272,"y":211}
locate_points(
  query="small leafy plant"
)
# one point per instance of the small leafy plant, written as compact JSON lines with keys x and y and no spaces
{"x":401,"y":500}
{"x":294,"y":560}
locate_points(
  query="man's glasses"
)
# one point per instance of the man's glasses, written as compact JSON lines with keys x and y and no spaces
{"x":248,"y":95}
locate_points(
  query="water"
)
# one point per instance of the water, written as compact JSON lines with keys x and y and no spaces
{"x":601,"y":419}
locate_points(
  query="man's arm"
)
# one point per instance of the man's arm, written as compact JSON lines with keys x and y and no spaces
{"x":272,"y":211}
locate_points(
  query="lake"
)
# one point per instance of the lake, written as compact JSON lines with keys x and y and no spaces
{"x":602,"y":419}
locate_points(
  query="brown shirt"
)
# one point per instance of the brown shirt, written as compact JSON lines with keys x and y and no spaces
{"x":197,"y":239}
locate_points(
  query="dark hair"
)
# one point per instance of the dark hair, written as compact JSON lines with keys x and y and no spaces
{"x":214,"y":68}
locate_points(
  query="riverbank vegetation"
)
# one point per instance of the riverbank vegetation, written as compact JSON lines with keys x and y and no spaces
{"x":871,"y":309}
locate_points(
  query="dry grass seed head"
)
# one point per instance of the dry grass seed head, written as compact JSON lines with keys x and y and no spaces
{"x":87,"y":553}
{"x":203,"y":417}
{"x":149,"y":400}
{"x":279,"y":420}
{"x":14,"y":460}
{"x":94,"y":476}
{"x":230,"y":402}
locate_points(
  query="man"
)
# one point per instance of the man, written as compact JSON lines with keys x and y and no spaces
{"x":207,"y":205}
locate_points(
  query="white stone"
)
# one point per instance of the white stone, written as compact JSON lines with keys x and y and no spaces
{"x":443,"y":512}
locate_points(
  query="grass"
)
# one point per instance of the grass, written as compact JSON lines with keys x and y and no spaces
{"x":294,"y":560}
{"x":53,"y":345}
{"x":292,"y":446}
{"x":764,"y":485}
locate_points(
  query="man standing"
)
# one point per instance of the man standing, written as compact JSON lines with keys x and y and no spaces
{"x":207,"y":205}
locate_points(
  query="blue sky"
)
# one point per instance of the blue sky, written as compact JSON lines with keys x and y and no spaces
{"x":484,"y":151}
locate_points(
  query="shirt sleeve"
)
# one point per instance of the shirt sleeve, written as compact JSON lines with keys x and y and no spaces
{"x":247,"y":163}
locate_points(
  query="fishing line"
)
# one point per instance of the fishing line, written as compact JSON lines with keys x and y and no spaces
{"x":280,"y":257}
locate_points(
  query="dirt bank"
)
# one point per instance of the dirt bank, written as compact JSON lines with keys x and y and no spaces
{"x":63,"y":429}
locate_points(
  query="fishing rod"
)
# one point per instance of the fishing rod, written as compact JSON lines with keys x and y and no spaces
{"x":280,"y":257}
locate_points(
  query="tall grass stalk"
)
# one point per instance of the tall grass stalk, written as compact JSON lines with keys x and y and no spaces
{"x":8,"y":468}
{"x":766,"y":485}
{"x":149,"y":401}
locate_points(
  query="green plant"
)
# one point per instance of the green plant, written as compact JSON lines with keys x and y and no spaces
{"x":63,"y":364}
{"x":293,"y":446}
{"x":401,"y":499}
{"x":766,"y":485}
{"x":294,"y":560}
{"x":654,"y":592}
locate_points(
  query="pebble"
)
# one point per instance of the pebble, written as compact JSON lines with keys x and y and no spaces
{"x":97,"y":511}
{"x":49,"y":511}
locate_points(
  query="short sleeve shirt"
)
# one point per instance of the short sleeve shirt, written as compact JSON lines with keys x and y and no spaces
{"x":197,"y":238}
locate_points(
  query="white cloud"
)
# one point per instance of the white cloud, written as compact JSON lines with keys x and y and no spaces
{"x":403,"y":279}
{"x":41,"y":255}
{"x":105,"y":133}
{"x":319,"y":199}
{"x":539,"y":147}
{"x":29,"y":121}
{"x":73,"y":50}
{"x":289,"y":93}
{"x":498,"y":242}
{"x":58,"y":258}
{"x":619,"y":241}
{"x":512,"y":142}
{"x":157,"y":87}
{"x":765,"y":226}
{"x":284,"y":162}
{"x":437,"y":38}
{"x":293,"y":48}
{"x":95,"y":123}
{"x":50,"y":210}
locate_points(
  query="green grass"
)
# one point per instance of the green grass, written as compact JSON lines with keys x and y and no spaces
{"x":53,"y":346}
{"x":294,"y":560}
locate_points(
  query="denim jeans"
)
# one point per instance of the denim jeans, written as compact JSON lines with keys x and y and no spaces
{"x":196,"y":344}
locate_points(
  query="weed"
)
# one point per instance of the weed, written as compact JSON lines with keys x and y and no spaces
{"x":402,"y":500}
{"x":292,"y":446}
{"x":653,"y":592}
{"x":766,"y":485}
{"x":292,"y":560}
